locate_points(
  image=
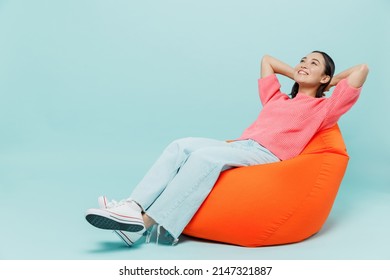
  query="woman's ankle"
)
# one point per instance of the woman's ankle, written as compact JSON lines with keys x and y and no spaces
{"x":148,"y":221}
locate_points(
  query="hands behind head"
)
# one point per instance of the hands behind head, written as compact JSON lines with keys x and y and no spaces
{"x":331,"y":84}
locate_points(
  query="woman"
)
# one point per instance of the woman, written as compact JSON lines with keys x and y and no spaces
{"x":180,"y":180}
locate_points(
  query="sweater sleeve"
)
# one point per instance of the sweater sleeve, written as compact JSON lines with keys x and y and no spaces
{"x":269,"y":87}
{"x":342,"y":99}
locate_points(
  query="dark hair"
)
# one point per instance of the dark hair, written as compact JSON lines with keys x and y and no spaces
{"x":329,"y":70}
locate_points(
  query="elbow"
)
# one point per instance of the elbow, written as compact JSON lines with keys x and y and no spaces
{"x":363,"y":69}
{"x":265,"y":58}
{"x":267,"y":61}
{"x":358,"y":76}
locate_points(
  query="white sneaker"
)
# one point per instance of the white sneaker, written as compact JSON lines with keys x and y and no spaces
{"x":123,"y":216}
{"x":128,"y":237}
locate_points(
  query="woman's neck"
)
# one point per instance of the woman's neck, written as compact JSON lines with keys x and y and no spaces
{"x":310,"y":91}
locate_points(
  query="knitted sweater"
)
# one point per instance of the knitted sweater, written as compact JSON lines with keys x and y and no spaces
{"x":285,"y":126}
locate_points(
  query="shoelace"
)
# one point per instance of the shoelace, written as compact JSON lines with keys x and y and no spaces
{"x":114,"y":203}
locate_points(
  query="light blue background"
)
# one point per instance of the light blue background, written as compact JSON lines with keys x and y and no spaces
{"x":92,"y":91}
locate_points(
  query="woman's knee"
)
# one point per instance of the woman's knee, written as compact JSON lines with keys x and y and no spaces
{"x":182,"y":141}
{"x":181,"y":145}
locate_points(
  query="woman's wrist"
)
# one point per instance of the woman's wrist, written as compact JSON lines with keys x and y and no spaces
{"x":335,"y":80}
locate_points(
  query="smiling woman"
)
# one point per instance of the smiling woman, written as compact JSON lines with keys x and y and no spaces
{"x":314,"y":74}
{"x":178,"y":183}
{"x":292,"y":122}
{"x":316,"y":68}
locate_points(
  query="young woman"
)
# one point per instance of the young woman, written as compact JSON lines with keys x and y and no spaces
{"x":180,"y":180}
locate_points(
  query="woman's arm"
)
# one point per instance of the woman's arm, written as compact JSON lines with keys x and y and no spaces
{"x":356,"y":76}
{"x":271,"y":65}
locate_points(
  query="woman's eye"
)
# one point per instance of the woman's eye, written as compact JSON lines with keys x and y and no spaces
{"x":314,"y":63}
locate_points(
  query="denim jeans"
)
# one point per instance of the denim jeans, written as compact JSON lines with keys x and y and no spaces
{"x":180,"y":180}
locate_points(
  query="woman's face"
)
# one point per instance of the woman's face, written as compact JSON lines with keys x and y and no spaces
{"x":310,"y":71}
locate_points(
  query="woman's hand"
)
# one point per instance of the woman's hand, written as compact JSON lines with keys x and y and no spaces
{"x":271,"y":65}
{"x":332,"y":83}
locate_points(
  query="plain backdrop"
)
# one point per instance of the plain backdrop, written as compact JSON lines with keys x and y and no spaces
{"x":91,"y":92}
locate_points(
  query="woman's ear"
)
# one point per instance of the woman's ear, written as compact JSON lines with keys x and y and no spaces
{"x":325,"y":79}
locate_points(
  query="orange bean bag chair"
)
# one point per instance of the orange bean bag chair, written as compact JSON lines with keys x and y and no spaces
{"x":276,"y":203}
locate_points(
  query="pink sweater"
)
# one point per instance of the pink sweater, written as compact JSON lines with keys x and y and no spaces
{"x":285,"y":126}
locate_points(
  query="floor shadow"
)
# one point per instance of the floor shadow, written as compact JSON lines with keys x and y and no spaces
{"x":111,"y":246}
{"x":117,"y":246}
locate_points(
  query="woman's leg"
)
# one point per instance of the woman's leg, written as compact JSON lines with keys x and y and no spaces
{"x":128,"y":215}
{"x":166,"y":167}
{"x":186,"y":191}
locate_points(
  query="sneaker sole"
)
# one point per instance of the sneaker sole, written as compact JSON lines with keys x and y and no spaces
{"x":107,"y":223}
{"x":104,"y":219}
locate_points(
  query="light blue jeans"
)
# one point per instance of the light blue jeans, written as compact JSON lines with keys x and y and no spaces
{"x":180,"y":180}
